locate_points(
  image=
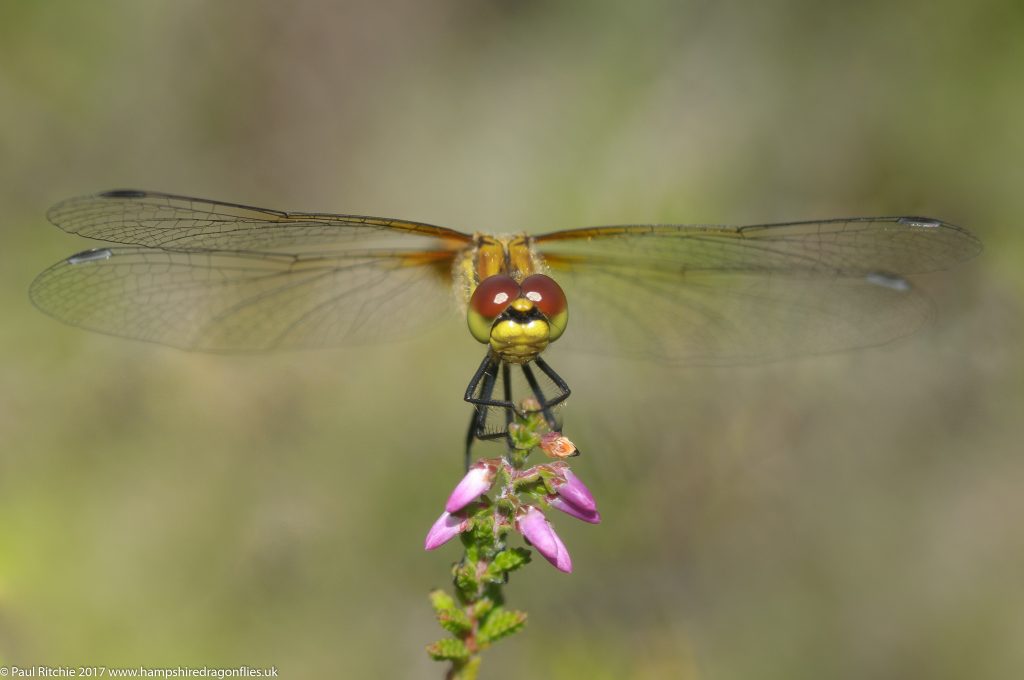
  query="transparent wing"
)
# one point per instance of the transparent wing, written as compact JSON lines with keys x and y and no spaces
{"x":222,"y":277}
{"x":170,"y":222}
{"x":236,"y":302}
{"x":719,"y":295}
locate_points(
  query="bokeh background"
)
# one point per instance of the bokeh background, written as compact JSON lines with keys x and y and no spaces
{"x":849,"y":516}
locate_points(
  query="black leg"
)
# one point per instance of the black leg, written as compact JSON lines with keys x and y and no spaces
{"x":506,"y":378}
{"x":475,"y":380}
{"x":480,"y":393}
{"x":560,"y":383}
{"x":485,"y":402}
{"x":470,"y":436}
{"x":555,"y":378}
{"x":486,"y":372}
{"x":531,"y":380}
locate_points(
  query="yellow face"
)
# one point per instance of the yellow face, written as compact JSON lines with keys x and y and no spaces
{"x":518,"y":320}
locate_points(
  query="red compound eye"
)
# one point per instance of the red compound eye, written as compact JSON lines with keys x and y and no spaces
{"x":545,"y":294}
{"x":493,"y":295}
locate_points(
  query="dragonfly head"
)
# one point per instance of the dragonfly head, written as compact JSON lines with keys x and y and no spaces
{"x":518,"y":320}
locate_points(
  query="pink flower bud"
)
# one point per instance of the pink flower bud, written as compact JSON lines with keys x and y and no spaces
{"x":473,"y":485}
{"x":571,"y":489}
{"x":536,"y":529}
{"x":559,"y":503}
{"x":447,"y":527}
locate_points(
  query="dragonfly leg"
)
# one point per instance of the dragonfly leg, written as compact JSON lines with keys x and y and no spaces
{"x":560,"y":383}
{"x":488,"y":371}
{"x":506,"y":378}
{"x":480,"y":393}
{"x":484,"y":378}
{"x":555,"y":378}
{"x":488,"y":361}
{"x":547,"y":404}
{"x":545,"y":407}
{"x":470,"y":438}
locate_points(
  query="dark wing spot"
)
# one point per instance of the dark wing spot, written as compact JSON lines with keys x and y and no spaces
{"x":123,"y":193}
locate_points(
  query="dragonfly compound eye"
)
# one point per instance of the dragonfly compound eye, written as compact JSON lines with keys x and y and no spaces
{"x":549,"y":299}
{"x":489,"y":300}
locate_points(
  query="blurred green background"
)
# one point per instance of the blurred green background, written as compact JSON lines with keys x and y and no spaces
{"x":850,"y":516}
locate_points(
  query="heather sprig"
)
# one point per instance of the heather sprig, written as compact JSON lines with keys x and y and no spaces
{"x":495,"y":498}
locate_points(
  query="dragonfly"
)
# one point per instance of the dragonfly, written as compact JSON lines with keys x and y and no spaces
{"x":213,"y":276}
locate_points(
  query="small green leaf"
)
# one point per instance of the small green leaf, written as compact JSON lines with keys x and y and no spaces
{"x":455,"y":621}
{"x":524,"y":479}
{"x":481,"y":607}
{"x":536,"y":488}
{"x":441,"y":601}
{"x":482,"y":534}
{"x":466,"y":580}
{"x":524,"y":438}
{"x":448,"y":649}
{"x":506,"y":561}
{"x":500,"y":623}
{"x":471,"y":544}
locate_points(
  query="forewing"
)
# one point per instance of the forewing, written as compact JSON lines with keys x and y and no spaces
{"x":226,"y":277}
{"x":719,"y":295}
{"x":172,"y":222}
{"x":223,"y":301}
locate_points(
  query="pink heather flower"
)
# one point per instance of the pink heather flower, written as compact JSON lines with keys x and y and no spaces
{"x":569,"y":487}
{"x":473,"y":485}
{"x":557,"y":446}
{"x":538,"y":531}
{"x":447,"y":527}
{"x":559,"y":503}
